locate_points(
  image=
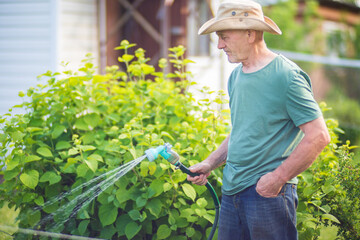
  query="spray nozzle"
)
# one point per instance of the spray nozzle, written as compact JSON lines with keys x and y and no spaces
{"x":165,"y":151}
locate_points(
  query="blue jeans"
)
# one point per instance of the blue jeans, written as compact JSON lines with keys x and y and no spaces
{"x":247,"y":215}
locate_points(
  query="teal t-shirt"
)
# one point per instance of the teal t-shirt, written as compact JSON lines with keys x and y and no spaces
{"x":267,"y":106}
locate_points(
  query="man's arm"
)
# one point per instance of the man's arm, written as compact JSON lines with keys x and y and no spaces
{"x":214,"y":160}
{"x":315,"y":140}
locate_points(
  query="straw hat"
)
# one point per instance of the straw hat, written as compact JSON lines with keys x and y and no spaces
{"x":240,"y":14}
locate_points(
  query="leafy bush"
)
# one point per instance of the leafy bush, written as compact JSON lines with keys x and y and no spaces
{"x":81,"y":125}
{"x":346,"y":202}
{"x":328,"y":190}
{"x":315,"y":184}
{"x":8,"y":218}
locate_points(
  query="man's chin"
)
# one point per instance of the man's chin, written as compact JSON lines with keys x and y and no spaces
{"x":231,"y":60}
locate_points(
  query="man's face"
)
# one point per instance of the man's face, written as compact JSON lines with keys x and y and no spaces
{"x":235,"y":44}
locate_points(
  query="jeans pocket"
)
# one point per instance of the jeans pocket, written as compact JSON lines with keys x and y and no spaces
{"x":280,"y":194}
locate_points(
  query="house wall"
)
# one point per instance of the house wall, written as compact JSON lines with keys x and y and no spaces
{"x":37,"y":35}
{"x":27,"y":46}
{"x":78,"y":32}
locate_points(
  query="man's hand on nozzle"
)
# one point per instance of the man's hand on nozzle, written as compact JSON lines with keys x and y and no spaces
{"x":203,"y":169}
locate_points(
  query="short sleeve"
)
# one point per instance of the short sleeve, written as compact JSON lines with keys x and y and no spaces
{"x":300,"y":103}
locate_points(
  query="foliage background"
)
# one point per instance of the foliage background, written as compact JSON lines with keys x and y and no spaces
{"x":80,"y":125}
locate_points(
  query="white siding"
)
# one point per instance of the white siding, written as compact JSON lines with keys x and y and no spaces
{"x":78,"y":32}
{"x":27,"y":46}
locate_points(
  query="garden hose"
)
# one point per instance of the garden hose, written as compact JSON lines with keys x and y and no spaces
{"x":213,"y":195}
{"x":172,"y":157}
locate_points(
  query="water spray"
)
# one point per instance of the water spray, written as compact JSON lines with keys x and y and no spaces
{"x":172,"y":157}
{"x":100,"y":185}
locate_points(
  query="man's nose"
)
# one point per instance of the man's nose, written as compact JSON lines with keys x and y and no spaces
{"x":221,"y":44}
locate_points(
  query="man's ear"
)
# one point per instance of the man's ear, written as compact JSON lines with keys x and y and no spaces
{"x":251,"y":36}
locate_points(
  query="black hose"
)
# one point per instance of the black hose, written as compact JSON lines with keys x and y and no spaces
{"x":213,"y":195}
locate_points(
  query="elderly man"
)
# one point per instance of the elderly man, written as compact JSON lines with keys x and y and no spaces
{"x":277,"y":129}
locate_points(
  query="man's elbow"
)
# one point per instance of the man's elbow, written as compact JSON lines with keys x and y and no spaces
{"x":324,"y":138}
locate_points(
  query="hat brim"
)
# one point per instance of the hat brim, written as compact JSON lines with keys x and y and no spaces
{"x":233,"y":23}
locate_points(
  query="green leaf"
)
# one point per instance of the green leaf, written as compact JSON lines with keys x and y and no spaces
{"x":210,"y":218}
{"x":10,"y":174}
{"x":107,"y":214}
{"x":166,"y":134}
{"x":86,"y":148}
{"x":121,"y":223}
{"x":81,"y":124}
{"x":45,"y":152}
{"x":330,"y":217}
{"x":30,"y":178}
{"x":140,"y":202}
{"x":131,"y":229}
{"x":81,"y":170}
{"x":310,"y":224}
{"x":32,"y":158}
{"x":92,"y":164}
{"x":33,"y":129}
{"x":200,"y":211}
{"x":57,"y":131}
{"x":122,"y":195}
{"x":39,"y":201}
{"x":152,"y":168}
{"x":154,"y":206}
{"x":61,"y":145}
{"x":189,"y":191}
{"x":73,"y":151}
{"x":190,"y":232}
{"x":70,"y":162}
{"x":96,"y":157}
{"x":92,"y":119}
{"x":17,"y":136}
{"x":88,"y":138}
{"x":134,"y":214}
{"x":50,"y":177}
{"x":33,"y":218}
{"x":124,"y":136}
{"x":21,"y":94}
{"x":201,"y":202}
{"x":127,"y":57}
{"x":158,"y":186}
{"x":163,"y":232}
{"x":167,"y":186}
{"x":108,"y":232}
{"x":83,"y":226}
{"x":144,"y":168}
{"x":327,"y":188}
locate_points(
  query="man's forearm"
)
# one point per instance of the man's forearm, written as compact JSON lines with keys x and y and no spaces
{"x":304,"y":155}
{"x":218,"y":157}
{"x":315,"y":139}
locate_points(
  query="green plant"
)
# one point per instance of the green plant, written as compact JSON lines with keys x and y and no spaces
{"x":80,"y":125}
{"x":299,"y":33}
{"x":346,"y":203}
{"x":328,"y":190}
{"x":8,"y":218}
{"x":315,"y":185}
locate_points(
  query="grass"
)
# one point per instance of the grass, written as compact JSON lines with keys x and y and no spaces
{"x":8,"y":218}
